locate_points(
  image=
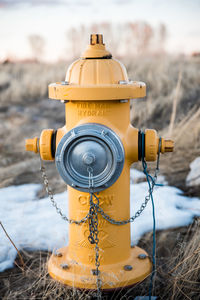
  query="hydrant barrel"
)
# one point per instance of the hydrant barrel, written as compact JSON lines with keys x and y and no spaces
{"x":93,"y":153}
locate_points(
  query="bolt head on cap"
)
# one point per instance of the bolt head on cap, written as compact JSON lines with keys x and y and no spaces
{"x":64,"y":266}
{"x":96,"y":48}
{"x":167,"y":145}
{"x":31,"y":145}
{"x":58,"y":254}
{"x":142,"y":256}
{"x":128,"y":267}
{"x":96,"y":39}
{"x":88,"y":158}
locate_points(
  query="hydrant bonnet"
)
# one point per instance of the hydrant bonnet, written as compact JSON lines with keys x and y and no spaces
{"x":90,"y":149}
{"x":96,"y":77}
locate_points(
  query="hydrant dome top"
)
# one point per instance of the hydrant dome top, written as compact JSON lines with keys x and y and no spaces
{"x":96,"y":76}
{"x":94,"y":72}
{"x":96,"y":67}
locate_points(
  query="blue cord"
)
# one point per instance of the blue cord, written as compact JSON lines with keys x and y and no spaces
{"x":151,"y":183}
{"x":154,"y":245}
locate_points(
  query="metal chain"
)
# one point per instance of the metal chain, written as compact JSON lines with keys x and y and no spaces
{"x":94,"y":232}
{"x":147,"y":198}
{"x":92,"y":218}
{"x":98,"y":208}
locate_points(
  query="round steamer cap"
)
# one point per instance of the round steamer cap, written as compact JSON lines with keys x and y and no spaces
{"x":90,"y":156}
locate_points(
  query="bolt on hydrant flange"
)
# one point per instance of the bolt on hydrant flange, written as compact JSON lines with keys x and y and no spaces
{"x":97,"y":146}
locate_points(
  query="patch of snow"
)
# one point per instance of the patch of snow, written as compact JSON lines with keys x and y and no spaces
{"x":34,"y":224}
{"x":193,"y":177}
{"x":31,"y":223}
{"x":136,"y":175}
{"x":172,"y":209}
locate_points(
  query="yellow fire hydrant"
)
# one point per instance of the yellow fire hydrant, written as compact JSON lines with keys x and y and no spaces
{"x":93,"y":153}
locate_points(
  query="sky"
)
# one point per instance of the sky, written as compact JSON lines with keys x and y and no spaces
{"x":52,"y":19}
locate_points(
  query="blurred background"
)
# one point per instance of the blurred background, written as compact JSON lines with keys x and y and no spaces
{"x":53,"y":30}
{"x":159,"y":43}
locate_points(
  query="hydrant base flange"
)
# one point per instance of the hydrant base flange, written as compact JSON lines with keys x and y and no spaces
{"x":74,"y":274}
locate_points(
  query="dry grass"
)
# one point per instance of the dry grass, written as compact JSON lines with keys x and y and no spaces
{"x":164,"y":88}
{"x":27,"y":82}
{"x":173,"y":108}
{"x":34,"y":283}
{"x":178,"y":266}
{"x":183,"y":277}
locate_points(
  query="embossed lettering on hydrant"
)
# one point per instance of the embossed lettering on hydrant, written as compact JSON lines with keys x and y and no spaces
{"x":105,"y":241}
{"x":105,"y":199}
{"x":92,"y":109}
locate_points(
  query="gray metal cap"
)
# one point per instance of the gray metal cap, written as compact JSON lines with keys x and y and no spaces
{"x":90,"y":155}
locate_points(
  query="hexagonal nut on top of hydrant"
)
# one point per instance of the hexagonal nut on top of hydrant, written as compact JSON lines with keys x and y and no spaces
{"x":94,"y":151}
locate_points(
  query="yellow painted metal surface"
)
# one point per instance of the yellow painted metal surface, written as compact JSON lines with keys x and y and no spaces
{"x":75,"y":92}
{"x":93,"y":88}
{"x":115,"y":249}
{"x":31,"y":145}
{"x":112,"y":275}
{"x":96,"y":72}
